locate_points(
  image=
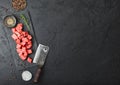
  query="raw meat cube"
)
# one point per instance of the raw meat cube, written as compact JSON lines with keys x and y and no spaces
{"x":23,"y":43}
{"x":13,"y":30}
{"x":14,"y":36}
{"x":29,"y":43}
{"x":24,"y":49}
{"x":29,"y":37}
{"x":29,"y":46}
{"x":18,"y":46}
{"x":25,"y":39}
{"x":29,"y":60}
{"x":17,"y":33}
{"x":22,"y":57}
{"x":18,"y":41}
{"x":29,"y":51}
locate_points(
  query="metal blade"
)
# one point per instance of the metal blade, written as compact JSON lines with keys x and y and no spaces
{"x":41,"y":54}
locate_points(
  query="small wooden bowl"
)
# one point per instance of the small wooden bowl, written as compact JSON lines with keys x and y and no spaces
{"x":10,"y":21}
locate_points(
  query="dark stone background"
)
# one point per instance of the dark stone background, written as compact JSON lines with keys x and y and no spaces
{"x":84,"y":41}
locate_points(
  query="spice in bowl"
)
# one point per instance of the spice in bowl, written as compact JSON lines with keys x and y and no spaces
{"x":19,"y":4}
{"x":10,"y":21}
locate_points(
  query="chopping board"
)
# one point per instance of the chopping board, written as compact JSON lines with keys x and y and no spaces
{"x":11,"y":45}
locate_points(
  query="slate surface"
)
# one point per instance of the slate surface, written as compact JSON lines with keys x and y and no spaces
{"x":7,"y":33}
{"x":83,"y":36}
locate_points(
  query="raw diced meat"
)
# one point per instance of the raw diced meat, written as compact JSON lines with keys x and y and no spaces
{"x":29,"y":37}
{"x":29,"y":60}
{"x":19,"y":30}
{"x":23,"y":49}
{"x":13,"y":30}
{"x":22,"y":57}
{"x":17,"y":33}
{"x":26,"y":33}
{"x":14,"y":36}
{"x":21,"y":37}
{"x":23,"y":41}
{"x":29,"y":46}
{"x":18,"y":46}
{"x":23,"y":33}
{"x":20,"y":24}
{"x":29,"y":51}
{"x":29,"y":43}
{"x":25,"y":54}
{"x":18,"y":41}
{"x":19,"y":27}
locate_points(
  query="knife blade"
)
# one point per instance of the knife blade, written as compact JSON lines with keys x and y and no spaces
{"x":39,"y":59}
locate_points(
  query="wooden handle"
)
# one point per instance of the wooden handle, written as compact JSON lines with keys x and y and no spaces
{"x":37,"y":75}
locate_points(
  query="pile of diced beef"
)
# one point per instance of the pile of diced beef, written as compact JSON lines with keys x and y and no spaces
{"x":23,"y":42}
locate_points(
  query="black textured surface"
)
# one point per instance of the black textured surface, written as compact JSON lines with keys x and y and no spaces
{"x":6,"y":34}
{"x":83,"y":36}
